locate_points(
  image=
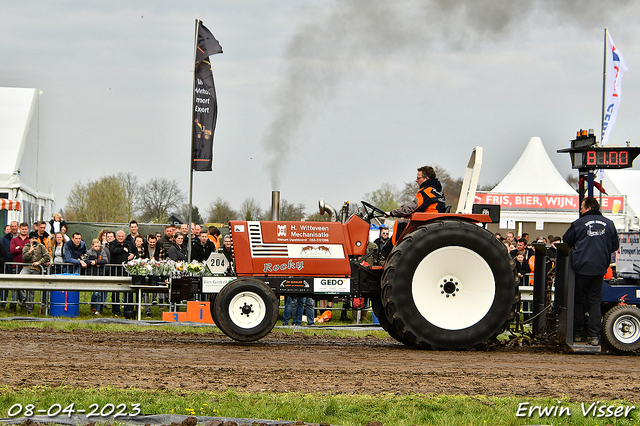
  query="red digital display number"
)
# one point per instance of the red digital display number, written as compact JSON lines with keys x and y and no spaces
{"x":604,"y":158}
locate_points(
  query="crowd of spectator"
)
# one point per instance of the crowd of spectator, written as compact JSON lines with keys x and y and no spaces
{"x":523,"y":253}
{"x":33,"y":250}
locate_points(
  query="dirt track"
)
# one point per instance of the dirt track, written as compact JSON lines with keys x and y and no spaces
{"x":281,"y":363}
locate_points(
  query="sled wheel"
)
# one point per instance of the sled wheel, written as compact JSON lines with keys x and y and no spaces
{"x":378,"y":310}
{"x":621,"y":326}
{"x":246,"y":309}
{"x":449,"y":285}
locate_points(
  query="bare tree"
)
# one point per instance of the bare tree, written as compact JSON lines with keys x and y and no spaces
{"x":158,"y":197}
{"x":408,"y":193}
{"x":132,"y":189}
{"x":220,"y":211}
{"x":488,"y":187}
{"x":250,"y":209}
{"x":195,"y":213}
{"x":289,"y":211}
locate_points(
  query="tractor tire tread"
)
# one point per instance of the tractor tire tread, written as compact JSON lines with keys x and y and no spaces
{"x":389,"y":299}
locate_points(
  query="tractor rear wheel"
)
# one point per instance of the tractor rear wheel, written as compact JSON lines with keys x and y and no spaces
{"x":621,"y":327}
{"x":246,"y":309}
{"x":378,"y":310}
{"x":449,"y":285}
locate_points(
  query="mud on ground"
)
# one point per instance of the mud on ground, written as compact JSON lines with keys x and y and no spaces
{"x":298,"y":363}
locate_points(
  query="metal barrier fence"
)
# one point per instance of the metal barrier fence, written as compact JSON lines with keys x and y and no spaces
{"x":110,"y":270}
{"x":63,"y":272}
{"x":525,"y":307}
{"x":110,"y":278}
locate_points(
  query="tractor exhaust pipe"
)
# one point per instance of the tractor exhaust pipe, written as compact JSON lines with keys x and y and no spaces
{"x":326,"y":208}
{"x":275,"y":205}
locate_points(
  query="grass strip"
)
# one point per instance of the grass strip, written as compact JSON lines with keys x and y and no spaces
{"x":353,"y":409}
{"x":126,"y":327}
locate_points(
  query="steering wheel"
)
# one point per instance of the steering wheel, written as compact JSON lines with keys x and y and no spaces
{"x":371,"y":211}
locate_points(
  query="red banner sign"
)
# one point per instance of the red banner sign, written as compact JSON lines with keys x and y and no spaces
{"x":563,"y":203}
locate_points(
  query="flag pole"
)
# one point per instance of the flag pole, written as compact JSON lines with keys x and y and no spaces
{"x":193,"y":117}
{"x":604,"y":84}
{"x":604,"y":94}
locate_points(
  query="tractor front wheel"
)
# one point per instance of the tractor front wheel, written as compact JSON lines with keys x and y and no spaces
{"x":212,"y":306}
{"x":246,"y":309}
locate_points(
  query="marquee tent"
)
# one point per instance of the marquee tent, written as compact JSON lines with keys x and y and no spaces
{"x":625,"y":182}
{"x":26,"y":193}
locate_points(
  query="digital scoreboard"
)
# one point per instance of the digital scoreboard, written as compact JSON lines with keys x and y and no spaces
{"x":603,"y":158}
{"x":585,"y":155}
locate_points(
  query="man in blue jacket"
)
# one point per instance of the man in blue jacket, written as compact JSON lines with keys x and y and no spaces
{"x":593,"y":239}
{"x":74,"y":251}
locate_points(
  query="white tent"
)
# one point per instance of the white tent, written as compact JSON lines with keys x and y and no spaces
{"x":625,"y":182}
{"x":534,"y":173}
{"x":25,"y":187}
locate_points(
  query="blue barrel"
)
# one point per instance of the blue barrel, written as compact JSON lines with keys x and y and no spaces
{"x":65,"y":304}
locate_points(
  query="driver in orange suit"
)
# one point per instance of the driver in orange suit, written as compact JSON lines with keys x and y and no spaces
{"x":429,"y":198}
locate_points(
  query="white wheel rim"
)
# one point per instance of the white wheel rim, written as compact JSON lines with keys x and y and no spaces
{"x":626,"y":329}
{"x":453,"y":288}
{"x":247,"y":310}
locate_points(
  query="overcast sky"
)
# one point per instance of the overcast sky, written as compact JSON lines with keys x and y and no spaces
{"x":318,"y":99}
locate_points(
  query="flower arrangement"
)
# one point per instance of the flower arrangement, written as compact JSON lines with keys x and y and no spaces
{"x":161,"y":267}
{"x":137,"y":267}
{"x":164,"y":267}
{"x":195,"y":268}
{"x":177,"y":269}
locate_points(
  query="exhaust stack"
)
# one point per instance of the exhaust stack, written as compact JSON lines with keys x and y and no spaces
{"x":275,"y":205}
{"x":327,"y":208}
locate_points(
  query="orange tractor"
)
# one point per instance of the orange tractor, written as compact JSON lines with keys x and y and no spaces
{"x":447,"y":284}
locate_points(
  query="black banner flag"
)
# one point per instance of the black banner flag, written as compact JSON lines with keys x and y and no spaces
{"x":205,"y":105}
